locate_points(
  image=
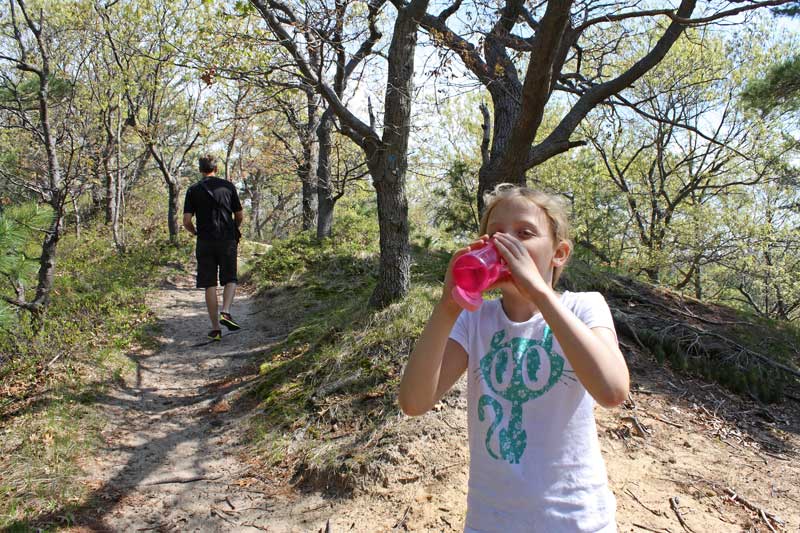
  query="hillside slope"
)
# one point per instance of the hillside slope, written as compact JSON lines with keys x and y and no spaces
{"x":676,"y":438}
{"x":682,"y":445}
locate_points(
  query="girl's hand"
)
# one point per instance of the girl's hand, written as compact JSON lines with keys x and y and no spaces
{"x":524,"y":272}
{"x":447,"y":298}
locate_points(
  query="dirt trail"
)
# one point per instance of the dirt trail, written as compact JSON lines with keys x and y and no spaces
{"x":172,"y":455}
{"x":173,"y":459}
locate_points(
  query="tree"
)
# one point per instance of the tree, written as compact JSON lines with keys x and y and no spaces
{"x":164,"y":101}
{"x":40,"y":101}
{"x":573,"y":48}
{"x":779,"y":87}
{"x":19,"y":226}
{"x":764,"y":272}
{"x":455,"y":209}
{"x":386,"y":153}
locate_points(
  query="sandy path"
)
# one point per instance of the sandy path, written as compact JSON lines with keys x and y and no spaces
{"x":172,"y":460}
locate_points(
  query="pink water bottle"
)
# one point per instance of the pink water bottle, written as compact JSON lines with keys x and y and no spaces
{"x":473,"y":273}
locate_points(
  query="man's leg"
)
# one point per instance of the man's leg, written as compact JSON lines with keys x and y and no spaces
{"x":227,"y":296}
{"x":213,"y":306}
{"x":227,"y":277}
{"x":207,"y":280}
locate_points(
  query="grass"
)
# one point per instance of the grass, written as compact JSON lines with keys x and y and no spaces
{"x":48,"y":417}
{"x":328,"y":391}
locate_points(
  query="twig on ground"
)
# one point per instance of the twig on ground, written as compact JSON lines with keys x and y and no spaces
{"x":448,"y":424}
{"x":776,"y":456}
{"x":439,"y":471}
{"x":766,"y":521}
{"x":755,"y":508}
{"x":216,"y":512}
{"x":250,"y":524}
{"x":633,"y":402}
{"x":317,"y":508}
{"x":640,"y":526}
{"x":400,"y":523}
{"x":640,"y":429}
{"x":656,"y":417}
{"x":632,"y":495}
{"x":56,"y":358}
{"x":673,"y":502}
{"x":182,"y":480}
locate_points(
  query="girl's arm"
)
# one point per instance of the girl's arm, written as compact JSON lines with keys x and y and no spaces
{"x":437,"y":361}
{"x":435,"y":364}
{"x":593,"y":353}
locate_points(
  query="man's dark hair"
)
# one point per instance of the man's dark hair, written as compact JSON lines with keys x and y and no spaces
{"x":208,"y":164}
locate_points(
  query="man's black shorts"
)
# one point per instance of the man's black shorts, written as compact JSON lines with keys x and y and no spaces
{"x":213,"y":255}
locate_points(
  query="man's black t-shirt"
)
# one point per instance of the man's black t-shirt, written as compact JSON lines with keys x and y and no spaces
{"x":214,"y":223}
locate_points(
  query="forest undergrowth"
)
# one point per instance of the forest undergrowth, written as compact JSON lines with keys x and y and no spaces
{"x":50,"y":376}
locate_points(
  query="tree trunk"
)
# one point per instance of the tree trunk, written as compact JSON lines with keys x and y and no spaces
{"x":505,"y":102}
{"x":173,"y":193}
{"x":394,"y":269}
{"x":172,"y":211}
{"x":255,"y":202}
{"x":309,"y":205}
{"x":77,"y":217}
{"x":388,"y":162}
{"x":698,"y":287}
{"x":111,"y":205}
{"x":308,"y":170}
{"x":325,"y":197}
{"x":119,"y":188}
{"x":47,"y":264}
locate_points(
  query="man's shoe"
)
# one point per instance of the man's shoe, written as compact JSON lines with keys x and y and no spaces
{"x":227,"y":320}
{"x":215,"y":335}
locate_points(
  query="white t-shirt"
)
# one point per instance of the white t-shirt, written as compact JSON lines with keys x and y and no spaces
{"x":535,"y":461}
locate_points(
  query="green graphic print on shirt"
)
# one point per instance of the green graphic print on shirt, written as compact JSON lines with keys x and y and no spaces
{"x":525,"y":357}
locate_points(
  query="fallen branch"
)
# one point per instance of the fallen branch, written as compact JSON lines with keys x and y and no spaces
{"x":632,"y":495}
{"x":640,"y":526}
{"x":250,"y":524}
{"x":181,"y":480}
{"x":673,"y":502}
{"x":400,"y":523}
{"x":765,"y":516}
{"x":643,"y":431}
{"x":745,"y":350}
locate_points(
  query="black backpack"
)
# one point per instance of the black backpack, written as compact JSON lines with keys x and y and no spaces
{"x":220,"y":207}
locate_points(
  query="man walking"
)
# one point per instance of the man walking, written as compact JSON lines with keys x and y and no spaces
{"x":216,"y":204}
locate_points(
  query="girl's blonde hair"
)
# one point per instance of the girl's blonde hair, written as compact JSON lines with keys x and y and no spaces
{"x":552,"y":206}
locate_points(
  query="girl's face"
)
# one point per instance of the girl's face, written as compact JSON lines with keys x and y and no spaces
{"x":528,"y":223}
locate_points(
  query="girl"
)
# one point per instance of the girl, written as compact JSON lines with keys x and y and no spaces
{"x":537,"y":362}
